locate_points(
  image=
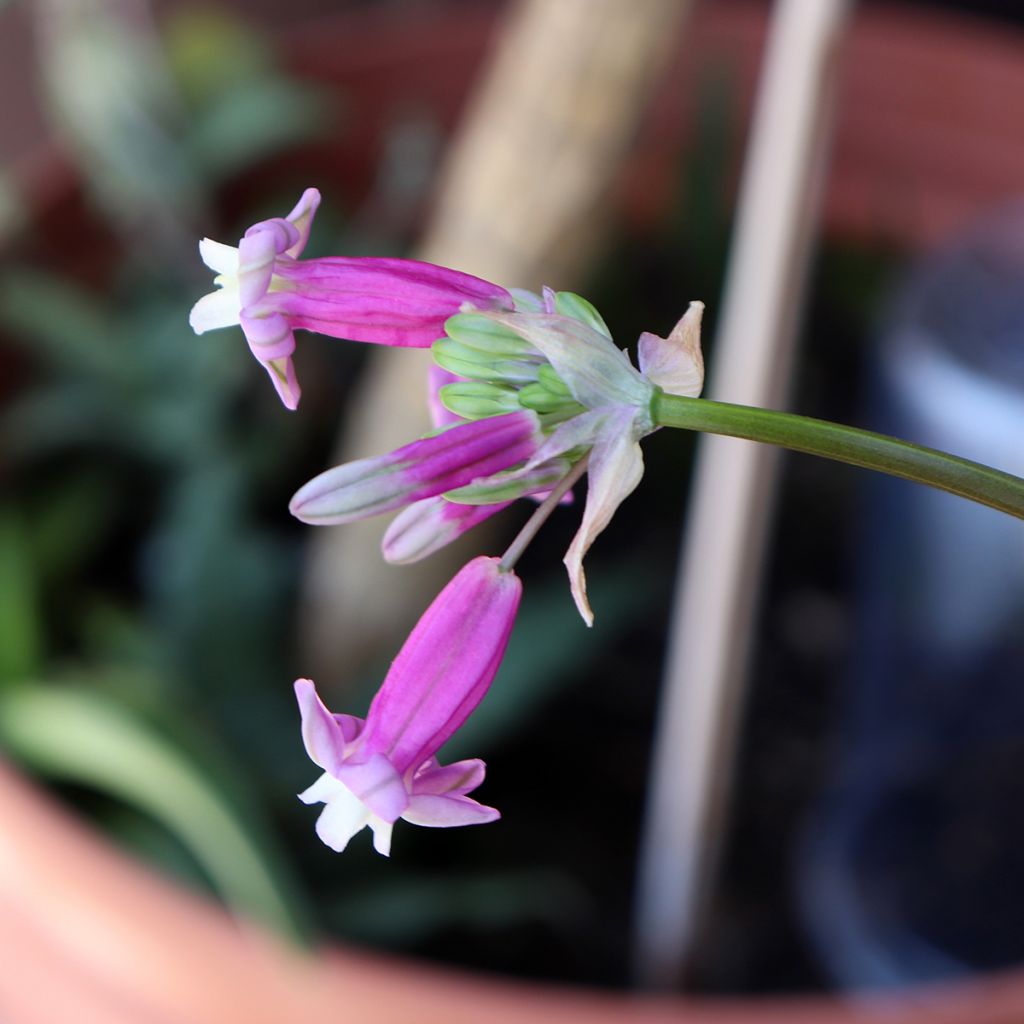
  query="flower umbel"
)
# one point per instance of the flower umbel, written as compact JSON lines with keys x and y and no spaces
{"x":384,"y":768}
{"x":264,"y":287}
{"x":591,"y":400}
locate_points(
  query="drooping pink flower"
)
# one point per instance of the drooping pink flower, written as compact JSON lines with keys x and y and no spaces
{"x":384,"y":768}
{"x":264,"y":287}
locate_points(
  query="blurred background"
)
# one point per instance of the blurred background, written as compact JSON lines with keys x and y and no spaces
{"x":156,"y":599}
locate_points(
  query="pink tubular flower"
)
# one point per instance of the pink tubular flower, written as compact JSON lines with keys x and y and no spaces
{"x":384,"y":768}
{"x":423,"y":469}
{"x":264,"y":287}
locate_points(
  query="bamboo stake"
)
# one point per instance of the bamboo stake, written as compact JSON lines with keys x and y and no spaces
{"x":721,"y":562}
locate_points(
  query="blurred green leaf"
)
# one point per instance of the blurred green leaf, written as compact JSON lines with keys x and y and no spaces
{"x":251,"y":122}
{"x":209,"y":50}
{"x":12,"y":209}
{"x":85,"y":738}
{"x":243,"y":108}
{"x":66,"y":325}
{"x":20,"y":624}
{"x":112,"y":96}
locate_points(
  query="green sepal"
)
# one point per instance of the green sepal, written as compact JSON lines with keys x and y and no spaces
{"x":571,"y":304}
{"x":537,"y":397}
{"x":550,"y":379}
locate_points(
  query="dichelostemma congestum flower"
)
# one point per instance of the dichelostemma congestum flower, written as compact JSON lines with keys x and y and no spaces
{"x":384,"y":768}
{"x":264,"y":287}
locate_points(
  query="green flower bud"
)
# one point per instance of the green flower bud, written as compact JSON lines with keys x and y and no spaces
{"x":570,"y":304}
{"x":480,"y":333}
{"x":476,"y":400}
{"x":476,"y":364}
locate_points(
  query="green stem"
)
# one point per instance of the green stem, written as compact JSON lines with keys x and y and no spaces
{"x":972,"y":480}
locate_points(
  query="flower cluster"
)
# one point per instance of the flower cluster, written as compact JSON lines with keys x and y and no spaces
{"x":527,"y":392}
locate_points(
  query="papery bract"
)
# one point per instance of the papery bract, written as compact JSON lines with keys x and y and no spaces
{"x":265,"y":288}
{"x":384,"y":768}
{"x":615,"y":398}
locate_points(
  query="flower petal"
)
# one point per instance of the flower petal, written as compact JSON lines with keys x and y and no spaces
{"x":302,"y":218}
{"x":220,"y":308}
{"x":448,"y":812}
{"x":437,"y":378}
{"x":326,"y":788}
{"x":427,"y":526}
{"x":446,"y":666}
{"x":579,"y":432}
{"x":377,"y":783}
{"x":256,"y":253}
{"x":381,"y":835}
{"x":382,"y":300}
{"x":616,"y":466}
{"x":456,"y":779}
{"x":343,"y":816}
{"x":675,"y":363}
{"x":322,"y":734}
{"x":219,"y":257}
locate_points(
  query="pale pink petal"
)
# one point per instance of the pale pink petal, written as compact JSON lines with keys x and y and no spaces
{"x":675,"y":363}
{"x":437,"y":378}
{"x":616,"y":467}
{"x":256,"y":253}
{"x":377,"y":783}
{"x":427,"y":526}
{"x":448,"y":812}
{"x":321,"y":733}
{"x":302,"y":217}
{"x":456,"y":779}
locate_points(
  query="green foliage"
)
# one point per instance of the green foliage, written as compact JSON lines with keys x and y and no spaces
{"x":79,"y":735}
{"x":21,"y":641}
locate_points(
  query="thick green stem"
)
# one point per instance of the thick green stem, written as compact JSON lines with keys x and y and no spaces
{"x":972,"y":480}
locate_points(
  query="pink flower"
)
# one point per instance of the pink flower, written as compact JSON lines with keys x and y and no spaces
{"x":384,"y":768}
{"x":264,"y":287}
{"x":426,"y":468}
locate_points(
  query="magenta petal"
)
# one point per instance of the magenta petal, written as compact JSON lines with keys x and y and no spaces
{"x":448,"y":812}
{"x":456,"y":779}
{"x":437,"y":378}
{"x":446,"y":665}
{"x":377,"y":784}
{"x":351,"y":726}
{"x":383,"y":300}
{"x":322,"y":734}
